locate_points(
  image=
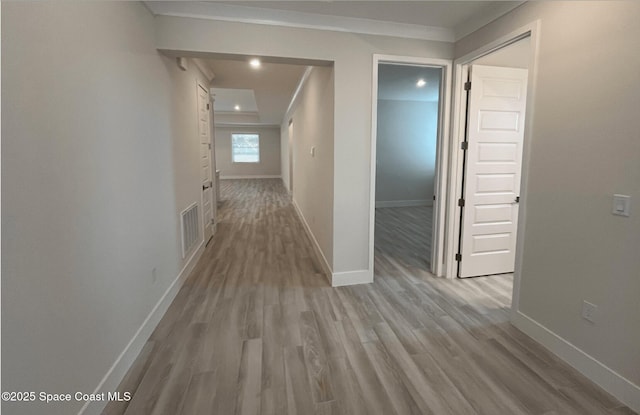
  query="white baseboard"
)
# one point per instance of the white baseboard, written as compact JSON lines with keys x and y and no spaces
{"x":403,"y":203}
{"x":336,"y":279}
{"x":259,"y":176}
{"x":115,"y":374}
{"x":314,"y":242}
{"x":363,"y":276}
{"x":623,"y":389}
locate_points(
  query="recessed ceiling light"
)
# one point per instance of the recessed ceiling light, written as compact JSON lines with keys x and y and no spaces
{"x":255,"y":63}
{"x":421,"y":83}
{"x":237,"y":108}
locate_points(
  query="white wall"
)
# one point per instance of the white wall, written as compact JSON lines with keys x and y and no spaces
{"x":269,"y":164}
{"x":286,"y":131}
{"x":585,"y":148}
{"x":312,"y":114}
{"x":352,"y":55}
{"x":236,"y":118}
{"x":406,"y":152}
{"x":516,"y":55}
{"x":99,"y":154}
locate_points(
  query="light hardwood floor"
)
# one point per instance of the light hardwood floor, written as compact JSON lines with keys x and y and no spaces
{"x":256,"y":329}
{"x":404,"y":233}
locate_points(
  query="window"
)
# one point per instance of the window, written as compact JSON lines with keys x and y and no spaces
{"x":245,"y":148}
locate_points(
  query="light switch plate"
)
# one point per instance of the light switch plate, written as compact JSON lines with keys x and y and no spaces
{"x":621,"y":205}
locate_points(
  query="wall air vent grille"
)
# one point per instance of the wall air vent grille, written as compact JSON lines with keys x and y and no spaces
{"x":190,"y":228}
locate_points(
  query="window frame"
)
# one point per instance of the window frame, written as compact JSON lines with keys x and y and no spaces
{"x":232,"y":153}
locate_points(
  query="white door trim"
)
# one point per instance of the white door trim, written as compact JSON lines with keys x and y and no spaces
{"x":290,"y":156}
{"x":440,"y":206}
{"x":461,"y":66}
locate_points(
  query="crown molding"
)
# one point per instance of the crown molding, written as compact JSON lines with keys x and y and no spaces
{"x":206,"y":71}
{"x":296,"y":93}
{"x":287,"y":18}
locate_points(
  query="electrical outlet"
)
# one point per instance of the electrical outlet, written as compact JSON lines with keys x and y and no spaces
{"x":589,"y":311}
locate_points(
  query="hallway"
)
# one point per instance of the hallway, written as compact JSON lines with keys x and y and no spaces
{"x":256,"y":329}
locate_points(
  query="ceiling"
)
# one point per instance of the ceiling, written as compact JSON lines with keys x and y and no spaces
{"x":233,"y":99}
{"x":263,"y":94}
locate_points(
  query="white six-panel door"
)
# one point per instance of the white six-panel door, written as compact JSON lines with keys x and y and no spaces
{"x":495,"y":133}
{"x":206,"y":175}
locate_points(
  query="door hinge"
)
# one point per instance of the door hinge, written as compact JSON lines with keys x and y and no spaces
{"x":207,"y":107}
{"x":209,"y":144}
{"x":458,"y":257}
{"x":464,"y":145}
{"x":434,"y":197}
{"x":467,"y":86}
{"x":461,"y":202}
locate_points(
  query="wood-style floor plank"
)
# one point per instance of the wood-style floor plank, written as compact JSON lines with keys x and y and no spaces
{"x":405,"y":232}
{"x":257,"y":330}
{"x":250,"y":378}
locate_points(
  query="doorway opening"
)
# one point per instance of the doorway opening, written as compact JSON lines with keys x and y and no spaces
{"x":496,"y":95}
{"x":489,"y":158}
{"x":272,"y":129}
{"x":409,"y":124}
{"x":271,"y":133}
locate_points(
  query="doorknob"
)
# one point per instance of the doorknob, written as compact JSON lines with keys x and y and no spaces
{"x":207,"y":186}
{"x":517,"y":199}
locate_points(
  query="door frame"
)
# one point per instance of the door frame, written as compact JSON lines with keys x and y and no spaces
{"x":440,"y":181}
{"x":291,"y":160}
{"x":461,"y":68}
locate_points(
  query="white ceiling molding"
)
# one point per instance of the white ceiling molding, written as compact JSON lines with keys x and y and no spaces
{"x":274,"y":17}
{"x":295,"y":94}
{"x":206,"y":71}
